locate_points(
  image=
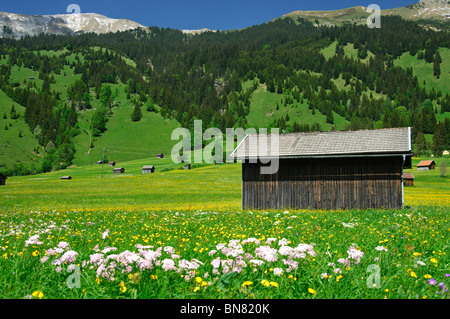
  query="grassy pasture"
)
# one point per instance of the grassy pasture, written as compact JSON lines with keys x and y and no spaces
{"x":424,"y":70}
{"x":263,"y":111}
{"x":189,"y":221}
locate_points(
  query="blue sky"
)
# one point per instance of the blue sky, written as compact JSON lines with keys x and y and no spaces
{"x":193,"y":14}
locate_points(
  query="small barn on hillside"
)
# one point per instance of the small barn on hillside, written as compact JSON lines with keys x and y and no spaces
{"x":148,"y":169}
{"x":2,"y":179}
{"x":325,"y":170}
{"x":160,"y":155}
{"x":119,"y":170}
{"x":66,"y":178}
{"x":408,"y":179}
{"x":426,"y":165}
{"x":111,"y":164}
{"x":187,"y":166}
{"x":445,"y":153}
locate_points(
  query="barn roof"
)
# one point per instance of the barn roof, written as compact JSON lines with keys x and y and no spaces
{"x":425,"y":163}
{"x":148,"y":167}
{"x":3,"y":176}
{"x":327,"y":144}
{"x":408,"y":176}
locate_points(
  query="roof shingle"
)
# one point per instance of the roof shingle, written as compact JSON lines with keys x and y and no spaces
{"x":335,"y":143}
{"x":425,"y":163}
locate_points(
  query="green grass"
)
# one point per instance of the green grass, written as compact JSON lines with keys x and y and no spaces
{"x":124,"y":140}
{"x":263,"y":111}
{"x":15,"y":150}
{"x":424,"y":70}
{"x":349,"y":50}
{"x":190,"y":213}
{"x":168,"y":188}
{"x":174,"y":189}
{"x":429,"y":187}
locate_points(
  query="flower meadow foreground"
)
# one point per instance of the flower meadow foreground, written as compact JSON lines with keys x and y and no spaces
{"x":254,"y":255}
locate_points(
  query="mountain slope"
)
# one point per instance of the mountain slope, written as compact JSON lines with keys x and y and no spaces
{"x":429,"y":12}
{"x":18,"y":25}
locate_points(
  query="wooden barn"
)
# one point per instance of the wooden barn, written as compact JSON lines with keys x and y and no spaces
{"x":160,"y":155}
{"x":426,"y":165}
{"x":119,"y":170}
{"x":66,"y":178}
{"x":408,"y":179}
{"x":112,"y":163}
{"x":187,"y":166}
{"x":2,"y":179}
{"x":148,"y":169}
{"x":326,"y":170}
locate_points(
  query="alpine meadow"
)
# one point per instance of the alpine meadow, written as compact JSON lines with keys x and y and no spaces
{"x":94,"y":204}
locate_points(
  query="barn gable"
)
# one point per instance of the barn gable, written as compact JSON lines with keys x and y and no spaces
{"x":326,"y":170}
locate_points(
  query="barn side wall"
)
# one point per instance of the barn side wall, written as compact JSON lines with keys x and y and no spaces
{"x":334,"y":183}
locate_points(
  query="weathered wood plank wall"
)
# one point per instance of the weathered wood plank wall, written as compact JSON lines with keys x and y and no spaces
{"x":335,"y":183}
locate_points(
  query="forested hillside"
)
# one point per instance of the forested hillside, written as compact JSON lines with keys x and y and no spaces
{"x":75,"y":91}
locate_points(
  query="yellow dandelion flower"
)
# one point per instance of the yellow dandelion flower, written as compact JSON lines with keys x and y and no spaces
{"x":204,"y":283}
{"x":413,"y":274}
{"x":198,"y":279}
{"x":123,"y":289}
{"x":427,"y":276}
{"x":38,"y":294}
{"x":35,"y":253}
{"x":311,"y":291}
{"x":274,"y":284}
{"x":247,"y":283}
{"x":265,"y":283}
{"x":434,"y":260}
{"x":196,"y":289}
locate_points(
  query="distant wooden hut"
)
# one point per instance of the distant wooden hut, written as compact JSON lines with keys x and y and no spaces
{"x":408,"y":179}
{"x":31,"y":78}
{"x":148,"y":169}
{"x":65,"y":178}
{"x":445,"y":153}
{"x":2,"y":179}
{"x":426,"y":165}
{"x":187,"y":166}
{"x":119,"y":170}
{"x":325,"y":170}
{"x":112,"y":164}
{"x":160,"y":155}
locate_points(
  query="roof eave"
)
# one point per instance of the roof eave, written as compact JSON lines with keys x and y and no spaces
{"x":327,"y":156}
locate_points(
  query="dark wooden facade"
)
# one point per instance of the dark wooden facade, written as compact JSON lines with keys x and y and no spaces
{"x":325,"y":183}
{"x":2,"y":179}
{"x":119,"y":170}
{"x":408,"y":179}
{"x":148,"y":169}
